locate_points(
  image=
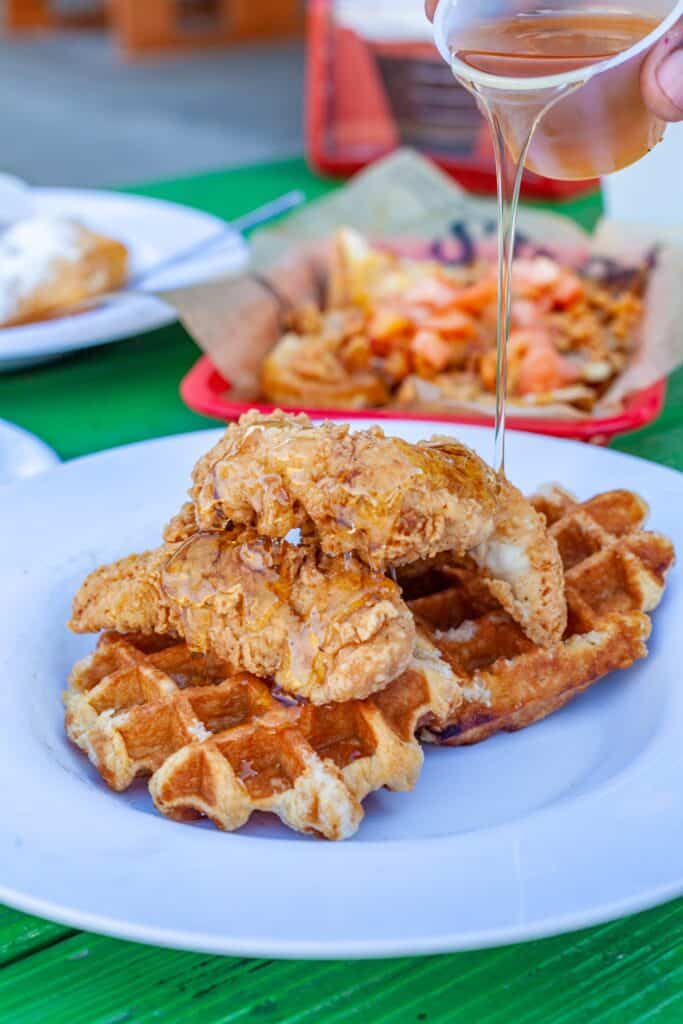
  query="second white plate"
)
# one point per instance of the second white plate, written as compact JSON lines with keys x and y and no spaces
{"x":153,"y":230}
{"x":22,"y":454}
{"x":573,"y":821}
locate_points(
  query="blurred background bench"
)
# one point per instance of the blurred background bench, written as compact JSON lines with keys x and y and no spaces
{"x":160,"y":25}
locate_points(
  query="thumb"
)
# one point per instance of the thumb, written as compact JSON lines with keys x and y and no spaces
{"x":430,"y":8}
{"x":662,"y":76}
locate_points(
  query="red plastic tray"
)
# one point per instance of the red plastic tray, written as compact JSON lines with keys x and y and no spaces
{"x":207,"y":392}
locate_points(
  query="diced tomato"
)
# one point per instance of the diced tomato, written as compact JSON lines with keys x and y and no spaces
{"x":430,"y":349}
{"x":526,"y":313}
{"x":521,"y":341}
{"x":543,"y":369}
{"x":454,"y":324}
{"x":476,"y":297}
{"x":568,"y":290}
{"x":535,"y":275}
{"x":430,"y":292}
{"x":383,"y":346}
{"x":387,"y":322}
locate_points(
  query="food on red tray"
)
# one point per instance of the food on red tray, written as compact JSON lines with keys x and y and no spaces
{"x":396,"y":330}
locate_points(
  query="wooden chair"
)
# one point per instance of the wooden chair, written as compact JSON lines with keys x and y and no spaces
{"x":145,"y":26}
{"x":23,"y":15}
{"x":29,"y":15}
{"x":176,"y":24}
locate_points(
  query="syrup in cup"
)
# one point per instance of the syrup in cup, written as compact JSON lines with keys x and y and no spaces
{"x":559,"y":83}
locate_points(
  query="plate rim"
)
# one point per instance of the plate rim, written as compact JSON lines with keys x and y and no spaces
{"x":41,"y":450}
{"x":151,"y":312}
{"x":365,"y":949}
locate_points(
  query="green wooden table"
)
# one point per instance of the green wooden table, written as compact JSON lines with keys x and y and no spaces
{"x":631,"y":970}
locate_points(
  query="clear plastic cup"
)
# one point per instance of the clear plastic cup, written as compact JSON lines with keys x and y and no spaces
{"x":599,"y":123}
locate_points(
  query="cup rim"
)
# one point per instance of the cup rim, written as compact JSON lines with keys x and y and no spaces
{"x":547,"y":81}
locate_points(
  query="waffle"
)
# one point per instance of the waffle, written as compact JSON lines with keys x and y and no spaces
{"x":615,"y":574}
{"x":223,"y":745}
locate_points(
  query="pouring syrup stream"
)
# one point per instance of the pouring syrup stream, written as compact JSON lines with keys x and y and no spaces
{"x":527,"y":47}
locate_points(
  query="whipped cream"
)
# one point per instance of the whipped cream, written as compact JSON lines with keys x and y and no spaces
{"x":30,"y":251}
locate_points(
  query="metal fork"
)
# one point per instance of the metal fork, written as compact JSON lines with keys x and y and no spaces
{"x":261,"y":215}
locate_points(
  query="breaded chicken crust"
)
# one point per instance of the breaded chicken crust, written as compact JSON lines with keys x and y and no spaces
{"x":388,"y":501}
{"x":328,"y":629}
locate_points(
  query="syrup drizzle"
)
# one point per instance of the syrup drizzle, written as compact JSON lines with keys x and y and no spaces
{"x":509,"y":172}
{"x":572,"y":145}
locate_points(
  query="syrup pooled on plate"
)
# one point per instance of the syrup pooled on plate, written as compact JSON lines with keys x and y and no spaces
{"x":571,"y":129}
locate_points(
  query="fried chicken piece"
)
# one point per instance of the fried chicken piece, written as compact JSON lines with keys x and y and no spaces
{"x":522,"y":568}
{"x":182,"y":525}
{"x":328,"y":629}
{"x":519,"y":566}
{"x":379,"y":497}
{"x":388,"y":501}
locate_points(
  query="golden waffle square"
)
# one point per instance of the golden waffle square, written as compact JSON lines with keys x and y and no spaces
{"x":615,"y":574}
{"x":222,"y":745}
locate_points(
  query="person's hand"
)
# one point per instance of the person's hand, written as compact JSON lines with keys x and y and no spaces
{"x":662,"y":76}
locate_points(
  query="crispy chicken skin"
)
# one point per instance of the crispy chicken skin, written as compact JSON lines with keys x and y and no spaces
{"x":390,"y":502}
{"x":379,"y":497}
{"x":328,"y":629}
{"x":521,"y":565}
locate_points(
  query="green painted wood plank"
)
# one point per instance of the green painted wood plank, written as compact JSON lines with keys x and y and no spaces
{"x":616,"y":973}
{"x":228,"y":194}
{"x":21,"y":935}
{"x":594,"y":969}
{"x":76,"y":404}
{"x":257,"y":183}
{"x":663,"y":440}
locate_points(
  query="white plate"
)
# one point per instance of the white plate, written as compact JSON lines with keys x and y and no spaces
{"x":22,"y":454}
{"x":153,"y":230}
{"x":576,"y":820}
